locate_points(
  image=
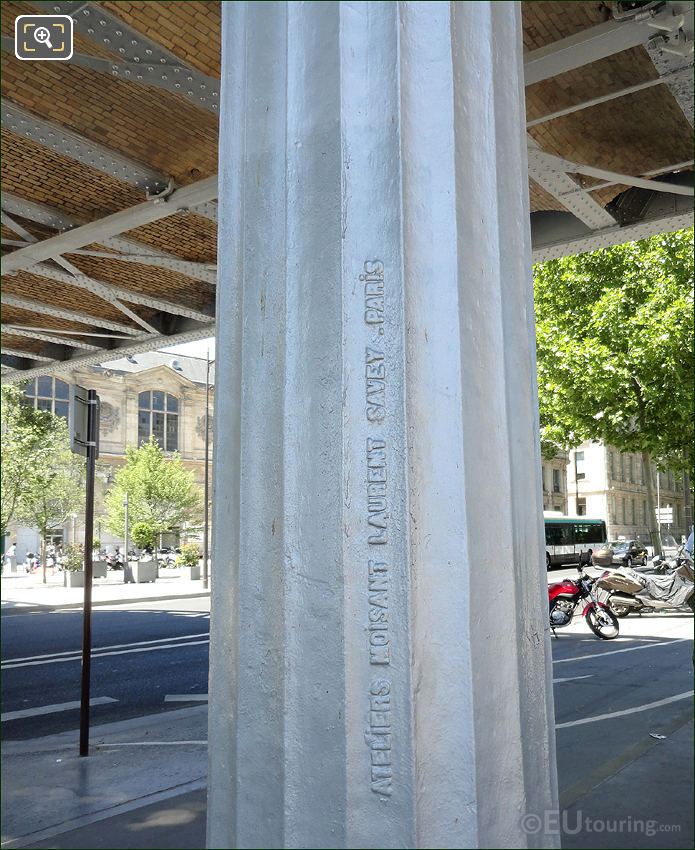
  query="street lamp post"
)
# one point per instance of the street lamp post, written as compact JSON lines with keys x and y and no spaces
{"x":125,"y":529}
{"x":206,"y":508}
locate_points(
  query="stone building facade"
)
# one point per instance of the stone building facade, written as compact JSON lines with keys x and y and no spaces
{"x":554,"y":478}
{"x":608,"y":484}
{"x":151,"y":393}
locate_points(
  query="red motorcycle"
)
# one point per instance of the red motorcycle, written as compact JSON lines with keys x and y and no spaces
{"x":565,"y":595}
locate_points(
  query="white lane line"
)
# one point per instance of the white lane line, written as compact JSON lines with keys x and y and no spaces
{"x":100,"y":648}
{"x":52,"y":709}
{"x":96,"y":655}
{"x":572,"y":678}
{"x":625,"y":711}
{"x":153,"y":744}
{"x":616,"y":651}
{"x":186,"y":698}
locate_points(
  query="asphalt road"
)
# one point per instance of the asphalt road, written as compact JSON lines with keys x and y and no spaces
{"x":620,"y":705}
{"x":141,"y":655}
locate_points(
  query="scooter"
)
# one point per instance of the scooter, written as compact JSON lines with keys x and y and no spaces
{"x":644,"y":593}
{"x":564,"y":597}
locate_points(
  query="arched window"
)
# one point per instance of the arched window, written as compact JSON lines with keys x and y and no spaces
{"x":158,"y":415}
{"x":47,"y":393}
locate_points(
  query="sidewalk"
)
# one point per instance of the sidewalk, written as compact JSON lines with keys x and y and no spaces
{"x":143,"y":785}
{"x":22,"y":593}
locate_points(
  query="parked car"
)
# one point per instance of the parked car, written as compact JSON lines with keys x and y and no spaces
{"x":629,"y":552}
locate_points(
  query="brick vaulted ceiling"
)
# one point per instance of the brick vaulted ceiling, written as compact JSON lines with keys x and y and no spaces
{"x":94,"y":260}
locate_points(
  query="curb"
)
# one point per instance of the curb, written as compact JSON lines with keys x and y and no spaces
{"x":68,"y":606}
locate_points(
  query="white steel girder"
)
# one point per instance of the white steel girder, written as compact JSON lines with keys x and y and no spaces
{"x":34,"y":306}
{"x":130,"y":248}
{"x":29,"y":355}
{"x":598,"y":42}
{"x":559,"y":164}
{"x":95,"y":232}
{"x":82,"y":280}
{"x":93,"y":154}
{"x":612,"y":236}
{"x":681,"y":77}
{"x":50,"y":335}
{"x":561,"y":186}
{"x":137,"y":346}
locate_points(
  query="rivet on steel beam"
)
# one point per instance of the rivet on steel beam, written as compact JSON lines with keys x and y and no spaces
{"x":139,"y":77}
{"x":133,"y":41}
{"x":190,"y":93}
{"x":136,"y":58}
{"x":102,"y":23}
{"x":164,"y":77}
{"x":119,"y":33}
{"x":107,"y":41}
{"x":121,"y":49}
{"x":127,"y":72}
{"x":177,"y":85}
{"x":190,"y":79}
{"x":85,"y":12}
{"x":150,"y":69}
{"x":163,"y":61}
{"x":90,"y":30}
{"x":148,"y":51}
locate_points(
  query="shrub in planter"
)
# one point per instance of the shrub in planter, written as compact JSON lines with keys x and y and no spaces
{"x":73,"y":566}
{"x":189,"y":561}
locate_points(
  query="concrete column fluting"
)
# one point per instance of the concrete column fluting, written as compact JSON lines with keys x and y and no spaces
{"x":379,"y":661}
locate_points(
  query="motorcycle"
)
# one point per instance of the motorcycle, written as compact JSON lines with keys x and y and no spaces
{"x":564,"y":596}
{"x":669,"y":588}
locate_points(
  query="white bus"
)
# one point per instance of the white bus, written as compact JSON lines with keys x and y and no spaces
{"x":567,"y":536}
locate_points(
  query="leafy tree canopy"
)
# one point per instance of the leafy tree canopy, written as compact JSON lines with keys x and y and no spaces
{"x":161,"y":492}
{"x":41,"y":478}
{"x":615,"y":348}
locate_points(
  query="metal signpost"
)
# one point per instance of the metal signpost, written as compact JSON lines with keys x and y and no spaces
{"x":83,"y":423}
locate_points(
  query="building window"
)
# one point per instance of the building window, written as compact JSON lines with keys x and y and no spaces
{"x":545,"y":489}
{"x":629,"y":470}
{"x":47,"y":393}
{"x":645,"y":515}
{"x":158,"y":416}
{"x":581,"y":507}
{"x":611,"y":464}
{"x":634,"y":512}
{"x":556,"y":481}
{"x":624,"y":512}
{"x":579,"y":465}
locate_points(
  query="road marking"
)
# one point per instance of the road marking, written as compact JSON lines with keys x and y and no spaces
{"x":572,"y":678}
{"x":99,"y":648}
{"x":52,"y":709}
{"x":625,"y":711}
{"x":96,"y":655}
{"x":616,"y":651}
{"x":153,"y":744}
{"x":186,"y":698}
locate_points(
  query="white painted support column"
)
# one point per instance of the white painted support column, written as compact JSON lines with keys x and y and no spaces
{"x":380,"y":657}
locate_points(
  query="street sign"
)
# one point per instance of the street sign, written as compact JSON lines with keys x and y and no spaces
{"x":664,"y":515}
{"x":78,"y":424}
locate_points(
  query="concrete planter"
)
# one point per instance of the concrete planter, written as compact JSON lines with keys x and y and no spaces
{"x":73,"y":578}
{"x":143,"y":572}
{"x":98,"y":569}
{"x":190,"y":573}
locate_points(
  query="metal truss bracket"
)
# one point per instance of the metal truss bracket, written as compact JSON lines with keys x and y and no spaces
{"x":557,"y":182}
{"x":140,"y":59}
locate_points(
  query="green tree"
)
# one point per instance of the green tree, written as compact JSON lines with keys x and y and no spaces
{"x":24,"y":434}
{"x":161,"y":492}
{"x":615,"y":351}
{"x":143,"y":534}
{"x":55,"y":489}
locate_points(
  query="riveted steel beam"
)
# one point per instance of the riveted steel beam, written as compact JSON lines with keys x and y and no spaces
{"x":97,"y":286}
{"x":44,"y":335}
{"x":41,"y":307}
{"x":139,"y":58}
{"x":95,"y":232}
{"x":558,"y":183}
{"x":66,"y":142}
{"x":137,"y":346}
